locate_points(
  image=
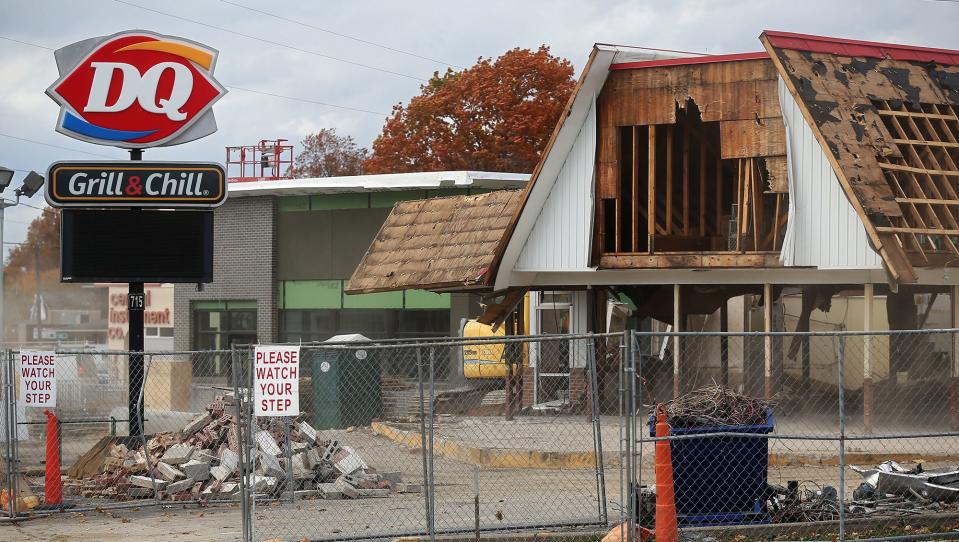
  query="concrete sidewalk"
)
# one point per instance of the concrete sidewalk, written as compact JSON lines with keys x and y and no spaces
{"x":566,"y":441}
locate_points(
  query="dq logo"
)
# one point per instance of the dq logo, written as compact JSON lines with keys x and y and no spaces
{"x":136,"y":89}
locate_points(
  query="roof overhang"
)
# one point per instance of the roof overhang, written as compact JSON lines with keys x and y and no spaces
{"x":429,"y":180}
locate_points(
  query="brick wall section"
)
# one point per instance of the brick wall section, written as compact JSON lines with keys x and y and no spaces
{"x":578,"y":387}
{"x":529,"y":381}
{"x":244,"y":267}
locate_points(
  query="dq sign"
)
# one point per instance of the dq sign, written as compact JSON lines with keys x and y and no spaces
{"x":136,"y":89}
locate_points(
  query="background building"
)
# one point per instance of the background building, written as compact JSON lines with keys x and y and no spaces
{"x":284,"y":250}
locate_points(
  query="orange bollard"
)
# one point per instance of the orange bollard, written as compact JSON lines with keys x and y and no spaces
{"x":667,"y":529}
{"x":53,"y":485}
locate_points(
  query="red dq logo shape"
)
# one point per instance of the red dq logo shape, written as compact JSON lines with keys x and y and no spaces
{"x":136,"y":89}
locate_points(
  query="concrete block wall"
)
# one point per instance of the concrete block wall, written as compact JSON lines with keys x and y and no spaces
{"x":244,"y":267}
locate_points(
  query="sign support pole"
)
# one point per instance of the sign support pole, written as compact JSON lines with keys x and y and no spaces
{"x":135,"y":307}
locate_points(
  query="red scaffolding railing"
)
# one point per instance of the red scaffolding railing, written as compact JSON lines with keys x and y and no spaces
{"x":268,"y":160}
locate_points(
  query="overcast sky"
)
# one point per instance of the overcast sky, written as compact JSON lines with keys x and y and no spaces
{"x":367,"y":37}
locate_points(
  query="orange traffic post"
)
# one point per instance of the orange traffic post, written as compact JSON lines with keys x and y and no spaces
{"x":667,"y":529}
{"x":53,"y":485}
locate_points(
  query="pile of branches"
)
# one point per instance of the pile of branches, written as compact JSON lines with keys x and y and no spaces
{"x":713,"y":406}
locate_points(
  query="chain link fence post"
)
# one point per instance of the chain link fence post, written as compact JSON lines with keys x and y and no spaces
{"x":432,"y":500}
{"x":14,"y":436}
{"x":842,"y":438}
{"x":597,"y":432}
{"x":630,"y":384}
{"x":427,"y":486}
{"x":10,"y":428}
{"x":244,"y":451}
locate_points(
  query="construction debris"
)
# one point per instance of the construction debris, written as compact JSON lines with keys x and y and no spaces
{"x":715,"y":406}
{"x":203,"y":462}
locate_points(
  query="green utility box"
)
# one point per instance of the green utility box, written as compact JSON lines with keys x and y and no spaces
{"x":346,"y":383}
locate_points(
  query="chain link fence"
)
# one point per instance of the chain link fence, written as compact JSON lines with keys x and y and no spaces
{"x":829,"y":436}
{"x":845,"y":435}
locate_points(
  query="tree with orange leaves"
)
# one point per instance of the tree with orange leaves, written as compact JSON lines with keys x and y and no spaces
{"x":495,"y":116}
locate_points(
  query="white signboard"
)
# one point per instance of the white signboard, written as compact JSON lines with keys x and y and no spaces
{"x":37,"y":372}
{"x":276,"y":380}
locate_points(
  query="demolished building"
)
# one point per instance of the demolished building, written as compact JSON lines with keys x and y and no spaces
{"x":730,"y":193}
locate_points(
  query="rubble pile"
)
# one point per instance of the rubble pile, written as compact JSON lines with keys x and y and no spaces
{"x":201,"y":462}
{"x":715,"y":406}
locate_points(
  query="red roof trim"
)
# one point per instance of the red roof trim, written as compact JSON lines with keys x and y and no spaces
{"x":869,"y":49}
{"x":708,"y":59}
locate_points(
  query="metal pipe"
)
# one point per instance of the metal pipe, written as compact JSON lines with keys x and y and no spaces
{"x":427,"y":488}
{"x":642,"y":431}
{"x":597,"y":435}
{"x":431,"y":470}
{"x":630,"y":379}
{"x":244,"y":477}
{"x":842,"y":439}
{"x":9,"y":404}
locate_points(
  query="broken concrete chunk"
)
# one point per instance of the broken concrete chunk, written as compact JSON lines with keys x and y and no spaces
{"x":307,"y":432}
{"x":313,"y":458}
{"x":331,"y":449}
{"x":266,"y":443}
{"x":348,"y":461}
{"x":220,"y":473}
{"x":147,"y":482}
{"x":330,"y":491}
{"x":301,"y":468}
{"x":182,"y":485}
{"x":270,"y":466}
{"x":229,"y":459}
{"x":169,"y":472}
{"x":198,"y":423}
{"x":136,"y":492}
{"x":178,"y":454}
{"x":197,"y":470}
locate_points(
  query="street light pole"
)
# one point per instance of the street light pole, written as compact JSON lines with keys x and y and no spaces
{"x":3,"y":264}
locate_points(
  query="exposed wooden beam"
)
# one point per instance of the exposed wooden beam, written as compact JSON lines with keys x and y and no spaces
{"x":634,"y":240}
{"x":928,"y":201}
{"x":922,"y":143}
{"x":890,"y":113}
{"x":924,"y":171}
{"x":691,"y":260}
{"x":919,"y":231}
{"x":669,"y":179}
{"x":685,"y":180}
{"x":702,"y":191}
{"x":719,"y":196}
{"x":651,"y":190}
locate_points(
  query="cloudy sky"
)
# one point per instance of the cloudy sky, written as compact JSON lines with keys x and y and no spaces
{"x":361,"y":57}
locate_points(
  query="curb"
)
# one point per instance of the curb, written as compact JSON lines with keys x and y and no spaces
{"x":532,"y":459}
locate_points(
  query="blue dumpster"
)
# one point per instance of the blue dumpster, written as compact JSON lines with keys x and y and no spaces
{"x":719,"y":480}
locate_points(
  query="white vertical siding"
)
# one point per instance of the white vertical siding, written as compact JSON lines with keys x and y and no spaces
{"x":824,"y":230}
{"x":560,"y":239}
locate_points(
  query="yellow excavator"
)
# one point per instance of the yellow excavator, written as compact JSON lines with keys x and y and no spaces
{"x":488,"y":360}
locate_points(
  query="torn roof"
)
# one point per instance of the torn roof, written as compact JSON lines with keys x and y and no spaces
{"x":886,"y":116}
{"x":438,"y":243}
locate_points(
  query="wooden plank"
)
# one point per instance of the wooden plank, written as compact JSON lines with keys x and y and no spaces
{"x":891,"y":113}
{"x":669,"y":179}
{"x":928,"y":201}
{"x":919,"y":231}
{"x":753,"y":137}
{"x":686,"y":180}
{"x":702,"y":191}
{"x":651,"y":190}
{"x":778,"y":179}
{"x":635,"y":190}
{"x":779,"y":200}
{"x":719,"y":198}
{"x":757,"y":203}
{"x":926,"y":143}
{"x":690,"y":261}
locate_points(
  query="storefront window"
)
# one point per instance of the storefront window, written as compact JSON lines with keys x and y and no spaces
{"x":220,"y":325}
